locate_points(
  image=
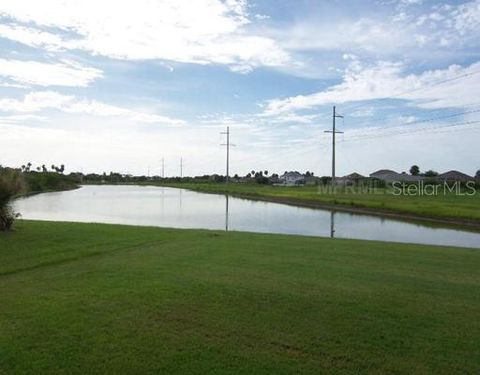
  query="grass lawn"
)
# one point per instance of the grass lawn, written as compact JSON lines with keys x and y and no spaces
{"x":90,"y":298}
{"x":449,"y":206}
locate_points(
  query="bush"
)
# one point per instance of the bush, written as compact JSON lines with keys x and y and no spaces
{"x":11,"y":183}
{"x":49,"y":181}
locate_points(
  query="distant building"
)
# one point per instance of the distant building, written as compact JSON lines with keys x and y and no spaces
{"x":292,"y":178}
{"x":349,"y":179}
{"x":454,"y":176}
{"x":388,"y":175}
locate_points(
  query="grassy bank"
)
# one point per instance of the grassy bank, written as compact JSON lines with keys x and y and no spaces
{"x":89,"y":298}
{"x":461,"y":209}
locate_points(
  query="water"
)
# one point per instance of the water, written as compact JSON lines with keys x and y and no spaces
{"x":178,"y":208}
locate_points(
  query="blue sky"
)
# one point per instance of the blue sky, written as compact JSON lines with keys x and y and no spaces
{"x":111,"y":85}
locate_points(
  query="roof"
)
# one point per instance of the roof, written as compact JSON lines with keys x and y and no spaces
{"x":292,"y":174}
{"x":455,"y":176}
{"x":353,"y":175}
{"x":392,"y":176}
{"x":383,"y":172}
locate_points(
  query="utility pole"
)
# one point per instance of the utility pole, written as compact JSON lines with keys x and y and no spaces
{"x":227,"y":133}
{"x":163,"y":167}
{"x":181,"y":167}
{"x":333,"y":131}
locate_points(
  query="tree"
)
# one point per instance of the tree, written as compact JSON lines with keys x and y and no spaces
{"x":414,"y":170}
{"x":265,"y":173}
{"x":44,"y":168}
{"x":431,"y":173}
{"x":62,"y":168}
{"x":477,"y":175}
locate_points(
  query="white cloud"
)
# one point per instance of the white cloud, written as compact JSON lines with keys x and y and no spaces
{"x":21,"y":118}
{"x":35,"y":101}
{"x":32,"y":37}
{"x":201,"y":31}
{"x":424,"y":33}
{"x":388,"y":80}
{"x":96,"y":108}
{"x":42,"y":100}
{"x":467,"y":17}
{"x":67,"y":73}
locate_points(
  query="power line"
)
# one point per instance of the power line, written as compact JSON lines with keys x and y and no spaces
{"x":411,"y":131}
{"x":439,"y":117}
{"x":394,"y":96}
{"x":430,"y":119}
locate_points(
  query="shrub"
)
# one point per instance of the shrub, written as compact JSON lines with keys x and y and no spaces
{"x":11,"y":183}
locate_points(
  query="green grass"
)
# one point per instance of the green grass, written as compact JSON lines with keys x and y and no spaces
{"x":90,"y":298}
{"x":449,"y":206}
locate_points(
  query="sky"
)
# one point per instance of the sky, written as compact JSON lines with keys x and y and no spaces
{"x":114,"y":85}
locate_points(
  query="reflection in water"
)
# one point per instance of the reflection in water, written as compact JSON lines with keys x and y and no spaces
{"x":332,"y":224}
{"x":226,"y":213}
{"x":168,"y":207}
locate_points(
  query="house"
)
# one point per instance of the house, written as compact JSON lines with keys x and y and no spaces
{"x":454,"y":176}
{"x":388,"y":175}
{"x":292,"y":178}
{"x":349,"y":179}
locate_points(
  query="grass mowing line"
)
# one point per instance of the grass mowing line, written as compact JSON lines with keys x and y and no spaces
{"x":77,"y":258}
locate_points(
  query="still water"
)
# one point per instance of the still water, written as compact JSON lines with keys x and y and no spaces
{"x":178,"y":208}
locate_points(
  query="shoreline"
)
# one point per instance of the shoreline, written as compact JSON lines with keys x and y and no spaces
{"x":387,"y":213}
{"x":459,"y":223}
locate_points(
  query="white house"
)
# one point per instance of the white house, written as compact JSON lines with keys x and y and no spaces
{"x":292,"y":178}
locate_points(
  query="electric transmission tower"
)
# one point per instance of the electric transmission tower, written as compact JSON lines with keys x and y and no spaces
{"x":334,"y":131}
{"x":227,"y":133}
